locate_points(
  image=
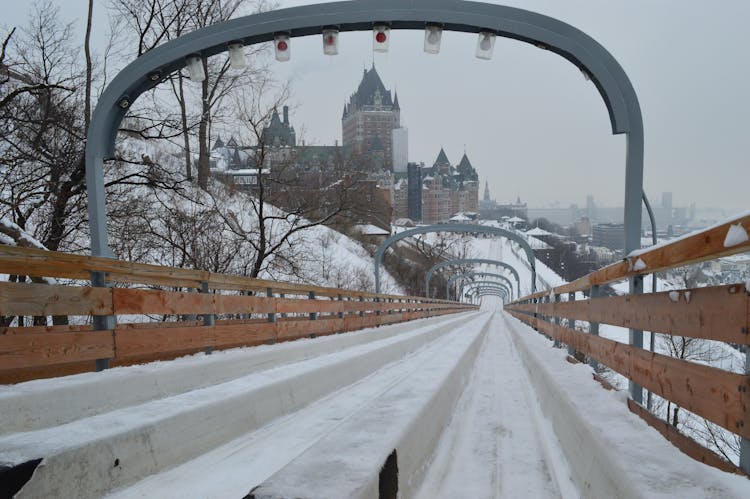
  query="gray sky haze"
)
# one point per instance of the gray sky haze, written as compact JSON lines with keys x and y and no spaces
{"x":528,"y":120}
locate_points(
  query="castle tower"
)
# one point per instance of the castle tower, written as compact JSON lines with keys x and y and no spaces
{"x":370,"y":117}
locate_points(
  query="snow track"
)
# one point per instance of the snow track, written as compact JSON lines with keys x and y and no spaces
{"x":498,"y":443}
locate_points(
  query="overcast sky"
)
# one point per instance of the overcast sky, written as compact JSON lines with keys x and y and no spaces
{"x":528,"y":120}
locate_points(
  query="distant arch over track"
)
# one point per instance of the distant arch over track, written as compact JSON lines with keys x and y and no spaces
{"x":471,"y":261}
{"x":458,"y":228}
{"x":479,"y":284}
{"x":477,"y":274}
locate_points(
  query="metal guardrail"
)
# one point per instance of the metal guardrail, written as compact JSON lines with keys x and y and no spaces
{"x":205,"y":311}
{"x":720,"y":313}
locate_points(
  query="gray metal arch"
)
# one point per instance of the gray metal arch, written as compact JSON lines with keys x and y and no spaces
{"x":461,"y":228}
{"x":473,"y":284}
{"x":477,"y":298}
{"x":468,"y":261}
{"x":454,"y":15}
{"x":489,"y":290}
{"x":483,"y":274}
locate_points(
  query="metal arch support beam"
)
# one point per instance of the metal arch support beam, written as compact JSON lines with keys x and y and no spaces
{"x":489,"y":291}
{"x":454,"y":15}
{"x":474,"y":284}
{"x":460,"y":228}
{"x":472,"y":261}
{"x":497,"y":294}
{"x":484,"y":291}
{"x":480,"y":284}
{"x":477,"y":274}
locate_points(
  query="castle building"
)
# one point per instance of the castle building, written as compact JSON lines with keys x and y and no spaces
{"x":374,"y":152}
{"x":368,"y":121}
{"x":438,"y":193}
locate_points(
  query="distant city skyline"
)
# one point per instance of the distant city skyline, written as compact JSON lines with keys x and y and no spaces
{"x":527,"y":119}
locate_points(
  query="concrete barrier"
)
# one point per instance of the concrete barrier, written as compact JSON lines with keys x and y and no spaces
{"x":92,"y":456}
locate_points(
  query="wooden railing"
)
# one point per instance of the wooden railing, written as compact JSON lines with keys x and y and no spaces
{"x":159,"y":312}
{"x":720,"y":313}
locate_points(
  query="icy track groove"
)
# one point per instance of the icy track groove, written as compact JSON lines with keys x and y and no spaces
{"x":498,"y":443}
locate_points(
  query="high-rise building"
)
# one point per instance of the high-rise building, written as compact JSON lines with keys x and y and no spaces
{"x":369,"y":119}
{"x":414,"y":179}
{"x":400,"y":140}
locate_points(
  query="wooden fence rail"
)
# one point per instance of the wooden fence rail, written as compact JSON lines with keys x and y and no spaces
{"x":243,"y":312}
{"x":719,"y":313}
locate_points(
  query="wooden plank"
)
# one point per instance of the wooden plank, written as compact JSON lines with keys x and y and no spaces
{"x":699,"y":247}
{"x":243,"y":335}
{"x":157,"y":325}
{"x":45,"y":299}
{"x":285,"y":305}
{"x":144,"y":301}
{"x":20,"y":375}
{"x":139,"y":342}
{"x":45,"y":329}
{"x":716,"y":313}
{"x":686,"y":444}
{"x":141,"y":301}
{"x":719,"y":396}
{"x":34,"y":350}
{"x":293,"y":329}
{"x":28,"y":261}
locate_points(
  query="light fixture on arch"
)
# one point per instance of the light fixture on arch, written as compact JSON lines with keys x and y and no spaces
{"x":330,"y":41}
{"x":282,"y":47}
{"x":237,"y":56}
{"x":381,"y":37}
{"x":194,"y":64}
{"x":485,"y":45}
{"x":433,"y":34}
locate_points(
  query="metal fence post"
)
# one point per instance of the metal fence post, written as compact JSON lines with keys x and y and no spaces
{"x":208,"y":319}
{"x":341,"y":314}
{"x":594,"y":326}
{"x":744,"y":442}
{"x":362,"y":312}
{"x":101,"y":322}
{"x":636,"y":340}
{"x":313,"y":315}
{"x":271,"y":316}
{"x":556,"y":319}
{"x":571,"y":325}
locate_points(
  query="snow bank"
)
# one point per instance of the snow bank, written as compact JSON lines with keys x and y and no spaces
{"x":605,"y":444}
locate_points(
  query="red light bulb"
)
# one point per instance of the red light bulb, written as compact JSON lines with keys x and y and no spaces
{"x":380,"y":37}
{"x":282,"y":46}
{"x":330,"y":40}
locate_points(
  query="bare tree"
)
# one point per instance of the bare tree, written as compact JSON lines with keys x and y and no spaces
{"x":285,"y":201}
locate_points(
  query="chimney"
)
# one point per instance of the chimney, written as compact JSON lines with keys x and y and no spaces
{"x":286,"y":115}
